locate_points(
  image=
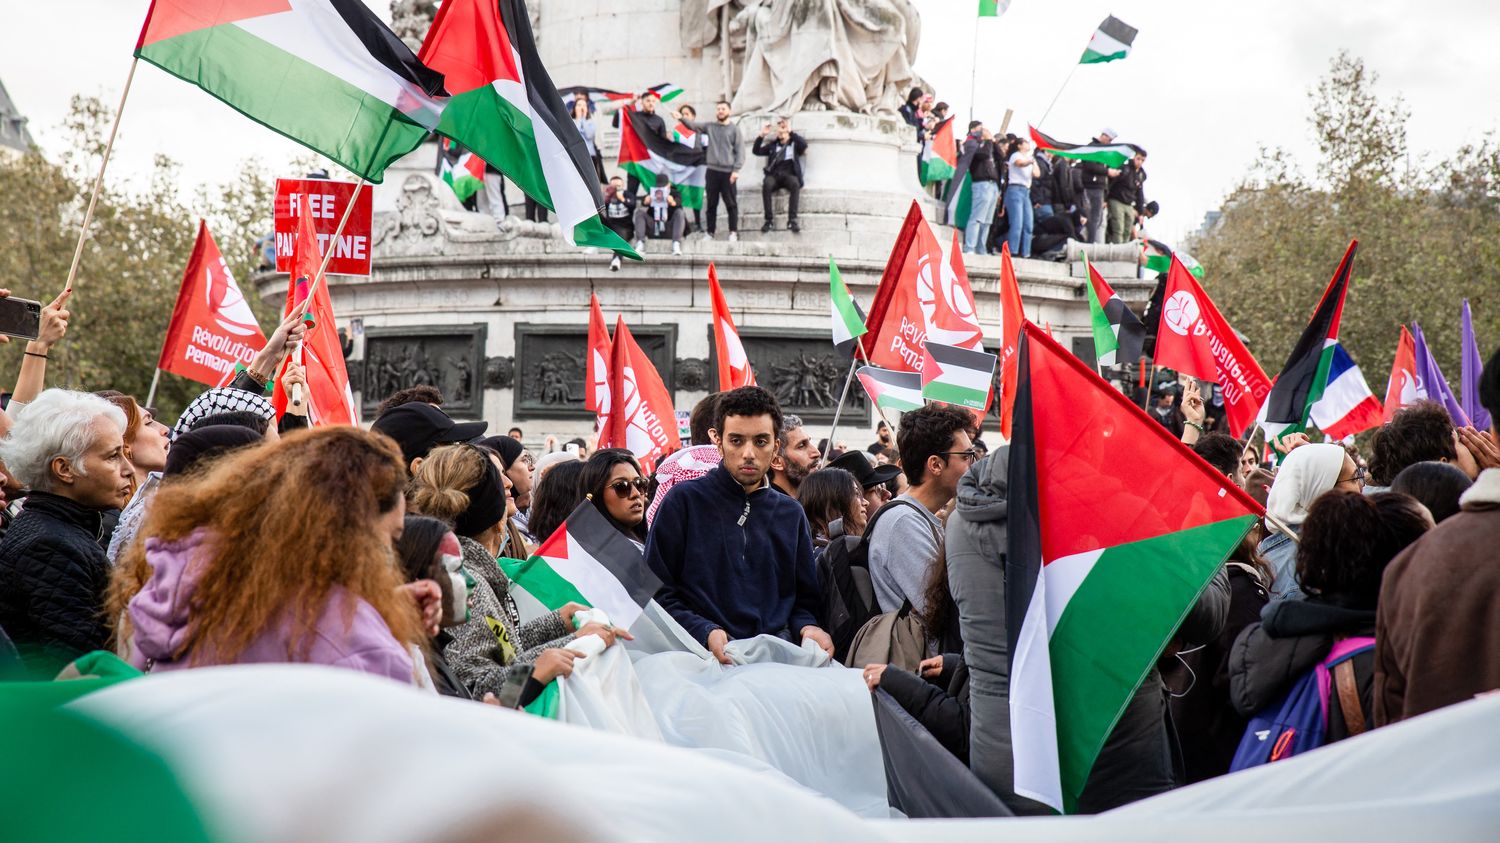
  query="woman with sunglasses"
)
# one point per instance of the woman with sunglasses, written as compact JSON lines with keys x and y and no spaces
{"x":613,"y":480}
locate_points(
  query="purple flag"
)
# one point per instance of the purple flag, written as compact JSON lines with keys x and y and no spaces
{"x":1433,"y":381}
{"x":1470,"y":365}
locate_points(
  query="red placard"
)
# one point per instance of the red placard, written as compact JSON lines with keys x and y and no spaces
{"x":328,"y":200}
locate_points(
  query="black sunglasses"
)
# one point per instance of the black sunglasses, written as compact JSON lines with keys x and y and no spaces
{"x":622,"y":487}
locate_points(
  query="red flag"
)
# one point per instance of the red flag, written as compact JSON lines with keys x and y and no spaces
{"x":641,"y":416}
{"x":958,"y":306}
{"x":596,"y":395}
{"x":919,"y":295}
{"x":1195,"y":339}
{"x":734,"y":366}
{"x":1403,"y":389}
{"x":1012,"y":317}
{"x":212,"y":327}
{"x":330,"y":400}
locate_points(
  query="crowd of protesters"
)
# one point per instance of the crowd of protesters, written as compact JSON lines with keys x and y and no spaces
{"x":125,"y":535}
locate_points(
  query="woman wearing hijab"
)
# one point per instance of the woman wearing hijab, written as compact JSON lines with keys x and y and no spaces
{"x":1307,"y":472}
{"x":516,"y":464}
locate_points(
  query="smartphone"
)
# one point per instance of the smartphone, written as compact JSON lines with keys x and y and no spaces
{"x":20,"y":317}
{"x":510,"y":692}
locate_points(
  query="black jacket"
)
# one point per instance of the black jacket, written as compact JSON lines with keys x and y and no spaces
{"x":53,"y":576}
{"x":984,"y":166}
{"x":1129,"y":186}
{"x":1041,"y":185}
{"x":1064,"y":182}
{"x":940,"y":705}
{"x":1291,"y":638}
{"x":1095,"y":175}
{"x":774,"y":151}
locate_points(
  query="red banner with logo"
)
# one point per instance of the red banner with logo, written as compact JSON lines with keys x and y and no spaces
{"x":212,"y":326}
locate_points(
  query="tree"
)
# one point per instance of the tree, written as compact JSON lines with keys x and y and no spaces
{"x":138,"y":245}
{"x":1427,"y":234}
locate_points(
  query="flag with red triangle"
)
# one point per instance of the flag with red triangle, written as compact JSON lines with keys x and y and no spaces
{"x":212,"y":326}
{"x":641,"y":417}
{"x":1115,"y":529}
{"x":729,"y":352}
{"x":1012,"y":318}
{"x":330,"y":400}
{"x":1195,"y":339}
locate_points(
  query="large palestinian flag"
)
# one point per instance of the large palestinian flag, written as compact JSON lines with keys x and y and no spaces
{"x":1115,"y":529}
{"x":1108,"y":154}
{"x":1119,"y":335}
{"x":1110,"y":41}
{"x":506,"y":109}
{"x":1305,"y":375}
{"x":645,"y":154}
{"x":939,"y":154}
{"x":325,"y":73}
{"x":959,"y":193}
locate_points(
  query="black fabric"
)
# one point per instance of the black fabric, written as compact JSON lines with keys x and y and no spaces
{"x":719,"y":186}
{"x":789,"y":182}
{"x":1023,"y":558}
{"x":942,"y":707}
{"x":848,"y":594}
{"x":774,"y":150}
{"x":984,"y":163}
{"x":1041,"y":185}
{"x":386,"y":48}
{"x":1292,"y":637}
{"x":1052,"y":233}
{"x":419,"y":427}
{"x":53,"y":576}
{"x":1287,"y":402}
{"x":486,"y":503}
{"x":1095,"y":175}
{"x":444,"y":679}
{"x":866,"y":475}
{"x":195,"y":446}
{"x":509,"y":449}
{"x":1129,"y":186}
{"x":924,"y":780}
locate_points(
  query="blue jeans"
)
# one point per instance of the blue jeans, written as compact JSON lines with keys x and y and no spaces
{"x":1042,"y":212}
{"x":1018,"y":208}
{"x":983,"y":195}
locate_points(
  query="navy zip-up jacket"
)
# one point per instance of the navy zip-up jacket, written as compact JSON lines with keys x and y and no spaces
{"x":731,"y":561}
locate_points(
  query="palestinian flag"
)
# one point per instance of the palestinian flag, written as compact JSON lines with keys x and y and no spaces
{"x":598,"y":96}
{"x":1159,"y":259}
{"x":848,"y":319}
{"x":958,"y":196}
{"x":587,"y":561}
{"x":325,"y":73}
{"x":1109,"y":154}
{"x":666,"y":91}
{"x":1111,"y":41}
{"x":1119,"y":335}
{"x":1305,"y":375}
{"x":957,"y":376}
{"x":506,"y":109}
{"x":644,"y":155}
{"x":993,"y":8}
{"x":891,"y":390}
{"x":939,"y":154}
{"x":684,"y":135}
{"x":465,"y":175}
{"x":1115,"y":529}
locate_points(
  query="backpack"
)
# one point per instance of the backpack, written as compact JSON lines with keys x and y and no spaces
{"x":1298,"y":722}
{"x":848,"y":593}
{"x":894,"y":638}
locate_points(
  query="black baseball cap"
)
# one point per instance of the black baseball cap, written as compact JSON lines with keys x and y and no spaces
{"x":868,"y":476}
{"x":419,"y":427}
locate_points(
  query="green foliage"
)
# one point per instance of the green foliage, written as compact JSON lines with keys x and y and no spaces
{"x":139,"y":243}
{"x":1427,"y":235}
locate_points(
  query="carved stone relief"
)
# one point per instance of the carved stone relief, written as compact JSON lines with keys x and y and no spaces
{"x":803,"y":371}
{"x":551,"y":366}
{"x":449,"y":357}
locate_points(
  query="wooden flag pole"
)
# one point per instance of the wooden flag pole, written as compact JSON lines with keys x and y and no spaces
{"x":1066,"y":80}
{"x":88,"y":214}
{"x":839,"y":409}
{"x":151,"y":393}
{"x":312,"y":289}
{"x":879,"y":409}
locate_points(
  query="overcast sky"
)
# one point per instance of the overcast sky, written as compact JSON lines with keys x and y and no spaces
{"x":1208,"y":83}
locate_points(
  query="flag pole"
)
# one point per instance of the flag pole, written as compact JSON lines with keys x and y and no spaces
{"x":974,"y":73}
{"x":1150,"y":386}
{"x":88,"y":214}
{"x":839,"y":409}
{"x":151,"y":393}
{"x":1066,"y":80}
{"x":879,"y":409}
{"x":312,"y":289}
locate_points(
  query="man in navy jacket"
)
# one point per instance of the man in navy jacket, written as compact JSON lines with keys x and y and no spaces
{"x":735,"y":556}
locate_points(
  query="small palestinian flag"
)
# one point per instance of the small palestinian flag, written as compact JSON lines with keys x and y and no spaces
{"x":1159,"y":259}
{"x":1111,"y":41}
{"x":848,"y":319}
{"x":957,"y":376}
{"x":1109,"y":154}
{"x":645,"y":154}
{"x":939,"y":154}
{"x":993,"y":8}
{"x":1115,"y":529}
{"x":1305,"y":375}
{"x":465,"y":176}
{"x":326,"y":73}
{"x":1118,"y":333}
{"x":890,"y":390}
{"x":587,"y":561}
{"x":598,"y":96}
{"x":684,"y":135}
{"x":665,"y":91}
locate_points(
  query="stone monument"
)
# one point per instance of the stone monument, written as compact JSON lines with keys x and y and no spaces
{"x":495,"y":312}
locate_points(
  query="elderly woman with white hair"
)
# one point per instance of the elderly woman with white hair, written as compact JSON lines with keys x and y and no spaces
{"x":1306,"y":473}
{"x":68,"y":448}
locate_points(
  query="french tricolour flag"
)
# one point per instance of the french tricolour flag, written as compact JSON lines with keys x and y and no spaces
{"x":1347,"y":406}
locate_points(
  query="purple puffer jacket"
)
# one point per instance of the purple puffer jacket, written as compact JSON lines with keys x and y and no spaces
{"x":159,"y":619}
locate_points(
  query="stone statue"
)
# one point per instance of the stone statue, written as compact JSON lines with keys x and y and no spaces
{"x":824,"y":55}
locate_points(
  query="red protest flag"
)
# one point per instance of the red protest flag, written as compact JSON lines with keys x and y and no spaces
{"x":212,"y":327}
{"x":1404,"y":388}
{"x":1195,"y":339}
{"x":641,"y":417}
{"x":729,"y":352}
{"x":920,"y":295}
{"x":1012,"y":318}
{"x":330,"y":400}
{"x":596,"y":395}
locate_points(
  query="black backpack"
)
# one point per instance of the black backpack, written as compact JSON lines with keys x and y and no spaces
{"x":848,"y":593}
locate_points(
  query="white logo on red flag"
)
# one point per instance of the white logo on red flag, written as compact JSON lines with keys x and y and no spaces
{"x":212,"y":327}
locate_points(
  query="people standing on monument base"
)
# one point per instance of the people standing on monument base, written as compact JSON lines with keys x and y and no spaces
{"x":1095,"y":184}
{"x":1021,"y":169}
{"x":726,"y":157}
{"x":984,"y":186}
{"x":783,"y":153}
{"x":1127,"y":198}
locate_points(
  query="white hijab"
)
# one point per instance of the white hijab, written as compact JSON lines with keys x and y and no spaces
{"x":1306,"y":473}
